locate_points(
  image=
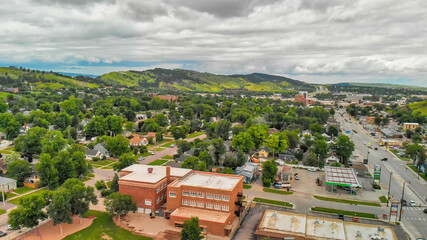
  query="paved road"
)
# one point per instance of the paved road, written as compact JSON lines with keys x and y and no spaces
{"x":415,"y":189}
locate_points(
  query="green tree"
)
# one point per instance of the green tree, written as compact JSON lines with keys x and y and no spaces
{"x":14,"y":156}
{"x":72,"y":106}
{"x":223,"y":128}
{"x":115,"y":124}
{"x":205,"y":157}
{"x":161,"y":120}
{"x":19,"y":170}
{"x":343,"y":148}
{"x":190,"y":163}
{"x":53,"y":142}
{"x":332,"y":131}
{"x":178,"y":132}
{"x":130,"y":126}
{"x":96,"y":127}
{"x":3,"y":106}
{"x":81,"y":196}
{"x":31,"y":143}
{"x":63,"y":120}
{"x":320,"y":148}
{"x":12,"y":129}
{"x":65,"y":166}
{"x":243,"y":141}
{"x":29,"y":212}
{"x":119,"y":204}
{"x":115,"y":183}
{"x":125,"y":160}
{"x":228,"y":171}
{"x":269,"y":171}
{"x":258,"y":133}
{"x":81,"y":166}
{"x":191,"y":230}
{"x":218,"y":149}
{"x":117,"y":145}
{"x":59,"y":209}
{"x":412,"y":151}
{"x":47,"y":172}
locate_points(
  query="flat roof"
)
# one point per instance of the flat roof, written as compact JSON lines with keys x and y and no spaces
{"x":209,"y":180}
{"x":278,"y":221}
{"x":368,"y":232}
{"x":325,"y":228}
{"x":139,"y":173}
{"x":202,"y":214}
{"x":341,"y":176}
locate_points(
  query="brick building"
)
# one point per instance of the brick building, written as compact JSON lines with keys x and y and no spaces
{"x":216,"y":199}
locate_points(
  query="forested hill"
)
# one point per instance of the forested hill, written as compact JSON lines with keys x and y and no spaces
{"x":204,"y":82}
{"x":166,"y":79}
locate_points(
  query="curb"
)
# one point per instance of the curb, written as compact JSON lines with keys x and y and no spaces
{"x":411,"y":236}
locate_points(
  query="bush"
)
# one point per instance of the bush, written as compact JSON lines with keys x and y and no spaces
{"x":106,"y":192}
{"x":95,"y":159}
{"x":266,"y":182}
{"x":100,"y":185}
{"x":376,"y":186}
{"x":336,"y":164}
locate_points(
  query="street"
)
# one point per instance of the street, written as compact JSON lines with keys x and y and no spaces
{"x":415,"y":188}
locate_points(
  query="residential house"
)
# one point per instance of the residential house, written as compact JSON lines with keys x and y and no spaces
{"x":137,"y":140}
{"x":332,"y":158}
{"x":92,"y":153}
{"x":263,"y":152}
{"x":8,"y":183}
{"x":288,"y":156}
{"x":286,"y":174}
{"x":84,"y":122}
{"x":101,"y":148}
{"x":249,"y":172}
{"x":141,"y":116}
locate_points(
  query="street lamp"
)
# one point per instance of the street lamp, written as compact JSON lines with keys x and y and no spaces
{"x":389,"y":185}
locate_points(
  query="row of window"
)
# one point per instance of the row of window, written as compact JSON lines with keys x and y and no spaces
{"x":209,"y":205}
{"x":161,"y":187}
{"x":202,"y":195}
{"x":148,"y":201}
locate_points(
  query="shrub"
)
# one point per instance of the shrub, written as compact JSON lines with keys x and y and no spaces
{"x":376,"y":186}
{"x":106,"y":192}
{"x":95,"y":159}
{"x":100,"y":185}
{"x":266,"y":182}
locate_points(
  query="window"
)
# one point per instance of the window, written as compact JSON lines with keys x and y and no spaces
{"x":200,"y":204}
{"x":185,"y":202}
{"x":180,"y":225}
{"x":217,"y":197}
{"x":209,"y":205}
{"x":193,"y":194}
{"x":161,"y":196}
{"x":225,"y":207}
{"x":201,"y":195}
{"x":209,"y":196}
{"x":225,"y":198}
{"x":193,"y":203}
{"x":157,"y":200}
{"x":158,"y":189}
{"x":185,"y":193}
{"x":217,"y":206}
{"x":148,"y":202}
{"x":172,"y":194}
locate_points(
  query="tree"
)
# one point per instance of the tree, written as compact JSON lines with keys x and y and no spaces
{"x":277,"y":142}
{"x":119,"y":204}
{"x":19,"y":170}
{"x":96,"y":127}
{"x":125,"y":160}
{"x":81,"y":196}
{"x":190,"y":163}
{"x":117,"y":145}
{"x":191,"y":230}
{"x":12,"y":129}
{"x":218,"y":148}
{"x":3,"y":106}
{"x":183,"y":146}
{"x":161,"y":120}
{"x":65,"y":166}
{"x":228,"y":171}
{"x":258,"y":133}
{"x":47,"y":172}
{"x":205,"y":157}
{"x":311,"y":160}
{"x":320,"y":148}
{"x":343,"y":148}
{"x":243,"y":141}
{"x":178,"y":132}
{"x":269,"y":170}
{"x":115,"y":183}
{"x":223,"y":128}
{"x":159,"y":137}
{"x":412,"y":151}
{"x":59,"y":209}
{"x":377,"y":120}
{"x":31,"y":143}
{"x":130,"y":126}
{"x":14,"y":156}
{"x":29,"y":212}
{"x":316,"y":128}
{"x":332,"y":131}
{"x":63,"y":120}
{"x":115,"y":124}
{"x":53,"y":142}
{"x":81,"y":167}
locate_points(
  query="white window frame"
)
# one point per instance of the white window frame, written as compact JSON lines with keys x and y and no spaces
{"x":217,"y":206}
{"x":185,"y":202}
{"x":200,"y":195}
{"x":209,"y":195}
{"x":185,"y":193}
{"x":172,"y":194}
{"x":201,"y":204}
{"x":148,"y":202}
{"x":225,"y":207}
{"x":193,"y":203}
{"x":209,"y":205}
{"x":193,"y":194}
{"x":217,"y":197}
{"x":225,"y":198}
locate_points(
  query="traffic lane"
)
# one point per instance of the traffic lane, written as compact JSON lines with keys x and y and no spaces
{"x":168,"y":151}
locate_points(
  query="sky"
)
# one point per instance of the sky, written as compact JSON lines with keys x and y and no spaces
{"x":316,"y":41}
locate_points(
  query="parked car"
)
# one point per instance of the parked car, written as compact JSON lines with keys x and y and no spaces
{"x":384,"y":159}
{"x":296,"y":177}
{"x":153,"y":153}
{"x":376,"y":148}
{"x":404,"y":202}
{"x":425,"y":210}
{"x":311,"y":169}
{"x":2,"y":234}
{"x":141,"y":158}
{"x":173,"y":145}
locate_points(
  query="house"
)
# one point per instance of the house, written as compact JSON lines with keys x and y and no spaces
{"x":370,"y":120}
{"x":101,"y":148}
{"x":215,"y":198}
{"x":141,"y":116}
{"x":8,"y":183}
{"x":25,"y":128}
{"x":263,"y":152}
{"x":286,"y":174}
{"x":137,"y":140}
{"x":332,"y":158}
{"x":92,"y":153}
{"x":272,"y":130}
{"x":84,"y":122}
{"x":249,"y":172}
{"x":410,"y":126}
{"x":288,"y":156}
{"x":390,"y":133}
{"x":3,"y":166}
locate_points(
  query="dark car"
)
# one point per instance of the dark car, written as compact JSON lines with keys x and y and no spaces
{"x":376,"y":148}
{"x":2,"y":234}
{"x":404,"y":202}
{"x":384,"y":159}
{"x":425,"y":210}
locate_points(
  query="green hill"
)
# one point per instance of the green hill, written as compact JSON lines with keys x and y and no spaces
{"x":420,"y":107}
{"x":203,"y":82}
{"x":40,"y":79}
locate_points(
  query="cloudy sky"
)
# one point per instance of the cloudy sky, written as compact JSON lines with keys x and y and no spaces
{"x":312,"y":40}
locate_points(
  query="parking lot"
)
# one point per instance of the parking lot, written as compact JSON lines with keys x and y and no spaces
{"x":307,"y":182}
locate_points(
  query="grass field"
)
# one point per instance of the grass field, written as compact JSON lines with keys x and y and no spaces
{"x":347,"y":213}
{"x":383,"y":199}
{"x":269,"y":201}
{"x":2,"y":211}
{"x":348,"y":201}
{"x":420,"y":107}
{"x":103,"y":227}
{"x":107,"y":167}
{"x":277,"y":191}
{"x":167,"y":157}
{"x":16,"y":200}
{"x":6,"y":151}
{"x":7,"y":195}
{"x":158,"y":162}
{"x":146,"y":154}
{"x":4,"y":95}
{"x":22,"y":190}
{"x":168,"y":144}
{"x":424,"y":176}
{"x":195,"y":134}
{"x":247,"y":186}
{"x":158,"y":149}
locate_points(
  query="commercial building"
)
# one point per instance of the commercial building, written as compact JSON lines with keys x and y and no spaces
{"x":216,"y":199}
{"x":410,"y":126}
{"x":343,"y":177}
{"x":288,"y":225}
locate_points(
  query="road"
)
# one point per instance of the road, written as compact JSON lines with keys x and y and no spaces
{"x":415,"y":188}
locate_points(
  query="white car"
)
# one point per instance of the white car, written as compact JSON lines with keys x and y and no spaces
{"x":412,"y":203}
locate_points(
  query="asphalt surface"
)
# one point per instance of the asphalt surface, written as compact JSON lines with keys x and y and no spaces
{"x":415,"y":188}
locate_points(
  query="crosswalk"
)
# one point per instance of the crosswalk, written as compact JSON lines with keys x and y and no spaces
{"x":414,"y":214}
{"x":415,"y":218}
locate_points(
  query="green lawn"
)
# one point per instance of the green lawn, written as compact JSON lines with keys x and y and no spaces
{"x":158,"y":162}
{"x":277,"y":191}
{"x":2,"y":211}
{"x":348,"y":213}
{"x":424,"y":176}
{"x":158,"y":149}
{"x":348,"y":201}
{"x":247,"y":186}
{"x":107,"y":167}
{"x":5,"y":151}
{"x":269,"y":201}
{"x":146,"y":154}
{"x":22,"y":190}
{"x":101,"y":163}
{"x":16,"y":200}
{"x":168,"y":144}
{"x":167,"y":157}
{"x":103,"y":227}
{"x":7,"y":195}
{"x":383,"y":199}
{"x":195,"y":134}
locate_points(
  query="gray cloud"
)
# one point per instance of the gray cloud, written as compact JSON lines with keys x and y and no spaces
{"x":362,"y":39}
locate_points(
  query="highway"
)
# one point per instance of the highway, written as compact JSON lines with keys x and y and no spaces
{"x":415,"y":188}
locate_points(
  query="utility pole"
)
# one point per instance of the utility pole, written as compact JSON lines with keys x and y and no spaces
{"x":389,"y":185}
{"x":2,"y":194}
{"x":401,"y":202}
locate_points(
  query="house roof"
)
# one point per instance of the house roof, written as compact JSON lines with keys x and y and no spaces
{"x":137,"y":139}
{"x":6,"y":181}
{"x":91,"y":152}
